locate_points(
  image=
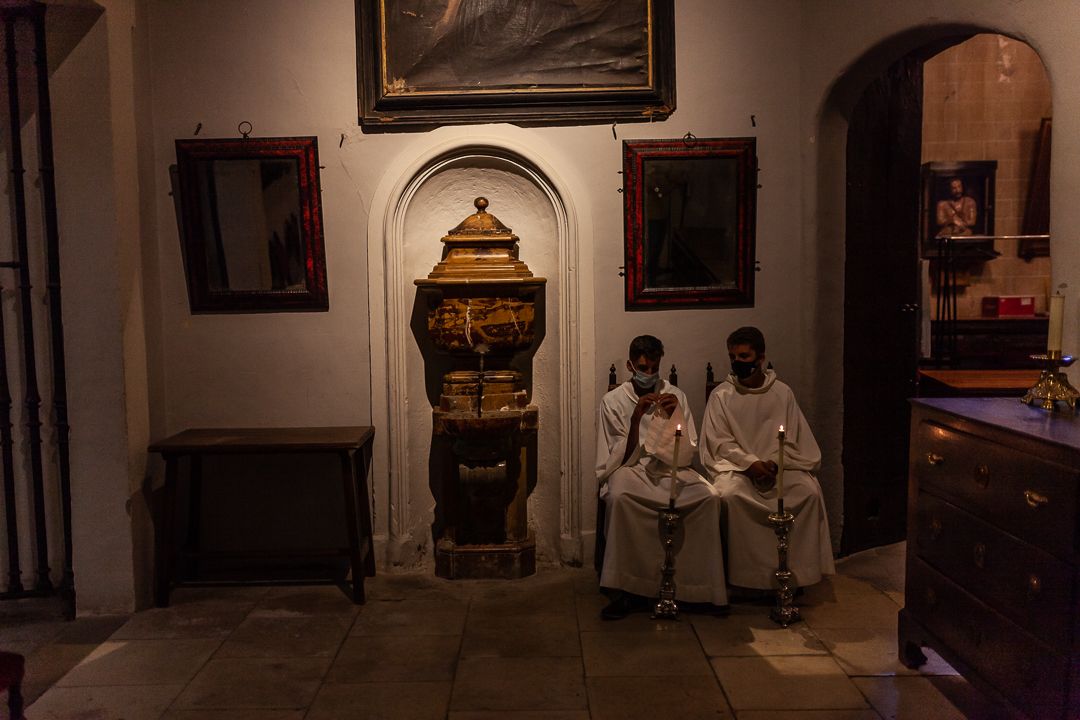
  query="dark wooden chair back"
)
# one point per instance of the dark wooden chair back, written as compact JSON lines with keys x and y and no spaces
{"x":12,"y":668}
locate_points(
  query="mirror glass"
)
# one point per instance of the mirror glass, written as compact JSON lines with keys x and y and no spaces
{"x":689,"y":243}
{"x":251,"y":224}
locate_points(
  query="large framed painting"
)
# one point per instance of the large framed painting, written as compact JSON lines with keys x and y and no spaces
{"x":957,"y":213}
{"x":423,"y":63}
{"x":689,"y":222}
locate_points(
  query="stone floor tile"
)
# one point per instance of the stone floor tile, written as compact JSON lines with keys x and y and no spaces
{"x":141,"y":662}
{"x":305,"y":601}
{"x":520,"y":715}
{"x":809,"y":715}
{"x":130,"y":702}
{"x":260,"y":714}
{"x":254,"y":683}
{"x":750,"y":631}
{"x":786,"y":682}
{"x":97,"y":629}
{"x":872,"y":610}
{"x":517,"y":636}
{"x":502,"y":684}
{"x":834,"y":587}
{"x":382,"y":701}
{"x":589,"y":620}
{"x":652,"y":652}
{"x":647,"y":698}
{"x":236,"y":595}
{"x":406,"y":658}
{"x":919,"y":698}
{"x":191,"y":620}
{"x":303,"y":636}
{"x":48,"y":664}
{"x":870,"y":651}
{"x":540,"y":594}
{"x":410,"y":617}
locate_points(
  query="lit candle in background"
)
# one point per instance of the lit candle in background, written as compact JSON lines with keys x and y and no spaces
{"x":675,"y":465}
{"x":780,"y":472}
{"x":1057,"y":315}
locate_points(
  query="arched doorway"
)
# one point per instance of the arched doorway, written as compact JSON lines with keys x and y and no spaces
{"x":887,"y":316}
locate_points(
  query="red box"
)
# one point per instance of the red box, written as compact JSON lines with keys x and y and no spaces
{"x":1008,"y":306}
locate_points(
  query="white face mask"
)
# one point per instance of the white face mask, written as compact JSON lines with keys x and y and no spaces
{"x":644,"y":380}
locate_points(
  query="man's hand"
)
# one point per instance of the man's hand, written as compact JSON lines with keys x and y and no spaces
{"x":762,"y":470}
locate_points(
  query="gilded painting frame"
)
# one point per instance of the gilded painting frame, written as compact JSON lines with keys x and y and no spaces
{"x":425,"y":63}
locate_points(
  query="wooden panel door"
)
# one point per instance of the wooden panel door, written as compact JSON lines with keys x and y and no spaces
{"x":881,"y":299}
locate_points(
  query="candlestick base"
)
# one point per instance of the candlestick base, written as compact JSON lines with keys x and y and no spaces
{"x":785,"y":612}
{"x":671,"y":539}
{"x":1053,"y":387}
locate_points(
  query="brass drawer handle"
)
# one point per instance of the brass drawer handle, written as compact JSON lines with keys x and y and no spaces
{"x":982,"y":475}
{"x":935,"y":529}
{"x":1034,"y":499}
{"x":1034,"y":585}
{"x":934,"y":458}
{"x":978,"y":555}
{"x":931,"y":597}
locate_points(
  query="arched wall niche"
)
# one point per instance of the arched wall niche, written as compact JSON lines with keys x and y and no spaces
{"x":418,"y":200}
{"x":825,"y":210}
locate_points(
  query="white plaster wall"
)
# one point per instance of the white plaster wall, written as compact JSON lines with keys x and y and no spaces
{"x":296,"y":75}
{"x":289,"y":68}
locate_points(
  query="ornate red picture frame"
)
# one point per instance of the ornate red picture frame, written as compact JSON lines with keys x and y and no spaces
{"x":689,"y":222}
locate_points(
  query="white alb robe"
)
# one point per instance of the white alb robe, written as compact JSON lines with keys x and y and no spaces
{"x":740,"y":428}
{"x":635,"y":490}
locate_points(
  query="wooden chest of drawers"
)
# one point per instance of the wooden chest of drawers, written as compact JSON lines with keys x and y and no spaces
{"x":992,"y":581}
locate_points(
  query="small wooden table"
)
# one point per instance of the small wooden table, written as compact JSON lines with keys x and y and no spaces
{"x":999,"y":383}
{"x":345,"y":442}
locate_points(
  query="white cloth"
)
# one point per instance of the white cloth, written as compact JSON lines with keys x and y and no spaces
{"x":635,"y":490}
{"x":740,"y":428}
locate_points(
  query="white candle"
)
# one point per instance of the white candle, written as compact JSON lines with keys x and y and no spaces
{"x":675,"y":463}
{"x":780,"y":466}
{"x":1057,"y":314}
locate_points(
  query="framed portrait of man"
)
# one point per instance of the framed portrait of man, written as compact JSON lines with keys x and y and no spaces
{"x":423,"y":63}
{"x":958,"y":208}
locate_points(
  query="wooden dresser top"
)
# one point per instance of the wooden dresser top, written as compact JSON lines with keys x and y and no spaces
{"x":1010,"y":414}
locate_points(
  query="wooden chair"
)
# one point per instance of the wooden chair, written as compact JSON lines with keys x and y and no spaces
{"x":601,"y":515}
{"x":12,"y":669}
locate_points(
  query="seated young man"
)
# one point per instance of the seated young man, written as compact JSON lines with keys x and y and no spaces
{"x":739,"y":451}
{"x":635,"y":449}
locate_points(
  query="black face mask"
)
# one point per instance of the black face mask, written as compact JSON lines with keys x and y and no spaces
{"x":743,"y":369}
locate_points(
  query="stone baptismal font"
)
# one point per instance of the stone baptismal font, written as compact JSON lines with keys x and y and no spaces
{"x":485,"y":315}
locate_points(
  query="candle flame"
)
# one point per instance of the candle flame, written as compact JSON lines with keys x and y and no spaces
{"x":781,"y":428}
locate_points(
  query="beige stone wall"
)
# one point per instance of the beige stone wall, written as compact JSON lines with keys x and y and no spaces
{"x":983,"y":100}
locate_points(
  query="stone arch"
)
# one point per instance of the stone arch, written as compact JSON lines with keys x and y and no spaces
{"x":399,"y":466}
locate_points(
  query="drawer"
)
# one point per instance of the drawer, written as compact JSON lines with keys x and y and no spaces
{"x":1007,"y":658}
{"x":1022,"y":582}
{"x":1030,"y":498}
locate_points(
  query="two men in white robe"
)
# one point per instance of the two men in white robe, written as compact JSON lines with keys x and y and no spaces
{"x":739,"y":451}
{"x":635,"y":454}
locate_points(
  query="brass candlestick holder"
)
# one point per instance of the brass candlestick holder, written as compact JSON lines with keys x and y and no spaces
{"x":785,"y":611}
{"x":671,"y":538}
{"x":1053,"y":386}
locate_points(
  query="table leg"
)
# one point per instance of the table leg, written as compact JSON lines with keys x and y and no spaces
{"x":348,"y":474}
{"x":363,"y":475}
{"x":164,"y":550}
{"x":192,"y":544}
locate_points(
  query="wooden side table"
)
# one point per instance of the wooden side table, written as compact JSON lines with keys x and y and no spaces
{"x":346,"y":442}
